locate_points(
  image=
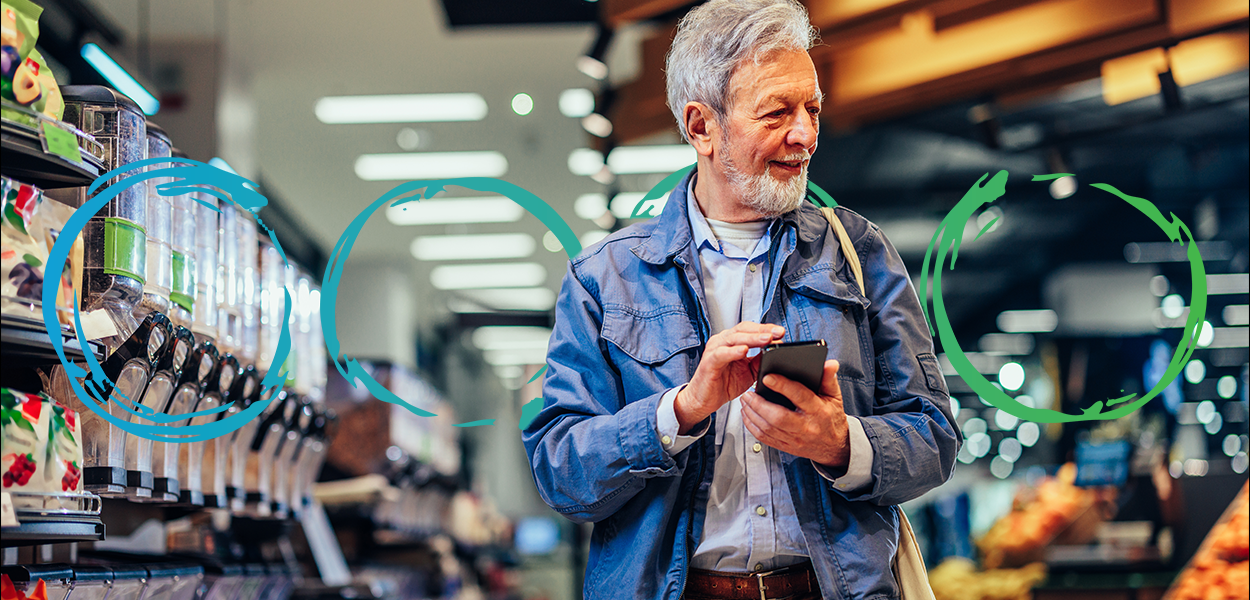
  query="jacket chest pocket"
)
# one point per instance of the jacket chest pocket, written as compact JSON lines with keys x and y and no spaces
{"x":654,"y":349}
{"x":825,"y":308}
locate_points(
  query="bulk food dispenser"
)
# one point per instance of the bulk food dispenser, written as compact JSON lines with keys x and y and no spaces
{"x":166,"y":368}
{"x":264,"y":450}
{"x":191,"y":461}
{"x":199,"y":366}
{"x":296,"y":430}
{"x":246,"y":391}
{"x":205,"y":314}
{"x":127,"y":369}
{"x":158,"y":220}
{"x":182,"y":256}
{"x":215,"y":451}
{"x":115,"y":239}
{"x":228,"y":322}
{"x":306,"y":457}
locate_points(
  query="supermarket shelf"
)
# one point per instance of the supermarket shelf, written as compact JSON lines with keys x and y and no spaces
{"x":55,"y":518}
{"x":25,"y":160}
{"x":26,"y":343}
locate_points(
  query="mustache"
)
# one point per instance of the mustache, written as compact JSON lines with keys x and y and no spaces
{"x":803,"y":156}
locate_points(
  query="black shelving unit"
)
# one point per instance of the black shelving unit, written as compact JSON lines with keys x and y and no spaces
{"x":25,"y":160}
{"x":26,"y":344}
{"x":52,"y":531}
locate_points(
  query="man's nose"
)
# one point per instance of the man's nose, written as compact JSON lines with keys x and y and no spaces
{"x":803,"y":132}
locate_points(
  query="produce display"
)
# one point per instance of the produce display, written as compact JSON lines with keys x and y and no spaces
{"x":959,"y":579}
{"x":1220,"y":570}
{"x":1054,"y":511}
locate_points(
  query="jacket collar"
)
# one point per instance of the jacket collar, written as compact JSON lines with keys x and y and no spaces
{"x":671,"y":231}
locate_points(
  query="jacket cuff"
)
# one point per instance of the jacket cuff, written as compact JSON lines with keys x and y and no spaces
{"x":636,"y":428}
{"x":859,"y":470}
{"x":667,"y":425}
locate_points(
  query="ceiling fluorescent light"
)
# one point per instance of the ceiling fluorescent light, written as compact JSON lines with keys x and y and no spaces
{"x":651,"y":159}
{"x":473,"y":247}
{"x":500,"y":337}
{"x":577,"y":102}
{"x":1028,"y":321}
{"x":430,"y":165}
{"x":123,"y":81}
{"x":401,"y":108}
{"x":597,"y":124}
{"x":439,"y":211}
{"x":584,"y":161}
{"x":623,"y":204}
{"x":497,"y":358}
{"x":1158,"y":252}
{"x":459,"y":277}
{"x":528,"y":298}
{"x":1229,"y":283}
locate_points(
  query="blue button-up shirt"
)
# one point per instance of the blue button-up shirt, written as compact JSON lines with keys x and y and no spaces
{"x":750,"y":523}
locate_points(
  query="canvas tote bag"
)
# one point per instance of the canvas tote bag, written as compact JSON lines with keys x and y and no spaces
{"x":908,"y":563}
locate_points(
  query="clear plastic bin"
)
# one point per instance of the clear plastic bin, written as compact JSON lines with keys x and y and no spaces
{"x":56,"y":577}
{"x":205,"y":314}
{"x":115,"y":239}
{"x":182,"y":256}
{"x":129,"y":582}
{"x":228,"y":323}
{"x":159,"y":220}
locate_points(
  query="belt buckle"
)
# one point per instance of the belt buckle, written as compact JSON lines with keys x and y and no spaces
{"x":759,"y":580}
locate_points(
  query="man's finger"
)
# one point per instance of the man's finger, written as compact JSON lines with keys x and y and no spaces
{"x":798,"y":393}
{"x":829,"y":387}
{"x":750,"y":327}
{"x":760,"y":427}
{"x":772,"y":415}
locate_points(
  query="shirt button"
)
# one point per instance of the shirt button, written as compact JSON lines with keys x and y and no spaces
{"x":667,"y":440}
{"x":757,"y":447}
{"x":761,"y":511}
{"x":759,"y":566}
{"x":752,"y":267}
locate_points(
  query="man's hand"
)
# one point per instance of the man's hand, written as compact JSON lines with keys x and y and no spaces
{"x":724,"y":371}
{"x":817,"y":430}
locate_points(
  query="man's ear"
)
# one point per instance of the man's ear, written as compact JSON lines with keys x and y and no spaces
{"x":700,"y":127}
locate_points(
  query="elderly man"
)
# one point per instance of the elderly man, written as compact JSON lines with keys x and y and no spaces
{"x":651,"y":428}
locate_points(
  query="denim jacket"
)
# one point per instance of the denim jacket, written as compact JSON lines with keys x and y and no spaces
{"x":631,"y":324}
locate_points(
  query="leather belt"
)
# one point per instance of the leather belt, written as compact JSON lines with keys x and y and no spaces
{"x":797,"y":580}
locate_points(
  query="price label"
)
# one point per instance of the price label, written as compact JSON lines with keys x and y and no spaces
{"x":8,"y":516}
{"x":61,"y":143}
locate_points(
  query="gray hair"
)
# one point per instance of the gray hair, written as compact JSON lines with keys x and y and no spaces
{"x":716,"y":37}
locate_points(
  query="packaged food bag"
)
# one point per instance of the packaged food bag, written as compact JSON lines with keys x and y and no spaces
{"x":64,"y":450}
{"x":23,"y":446}
{"x":24,"y":75}
{"x":48,"y":222}
{"x":22,"y":256}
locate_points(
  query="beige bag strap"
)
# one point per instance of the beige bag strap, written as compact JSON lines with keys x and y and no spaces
{"x":848,"y":250}
{"x":909,"y":570}
{"x":908,"y":563}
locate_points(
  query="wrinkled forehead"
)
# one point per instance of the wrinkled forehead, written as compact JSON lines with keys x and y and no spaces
{"x":785,"y":74}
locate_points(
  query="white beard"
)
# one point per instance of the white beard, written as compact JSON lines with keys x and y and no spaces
{"x":763,"y":193}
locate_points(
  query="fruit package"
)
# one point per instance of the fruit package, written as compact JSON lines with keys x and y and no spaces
{"x":24,"y":75}
{"x":23,"y":447}
{"x":42,"y":450}
{"x":29,"y":226}
{"x":1220,"y":570}
{"x":1055,"y":511}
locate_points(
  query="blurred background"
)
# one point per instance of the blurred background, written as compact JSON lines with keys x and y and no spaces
{"x":1070,"y":297}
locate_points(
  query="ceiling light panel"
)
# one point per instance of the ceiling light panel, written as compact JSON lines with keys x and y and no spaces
{"x":498,"y":337}
{"x":430,"y":165}
{"x":473,"y":247}
{"x":529,"y":298}
{"x":401,"y":108}
{"x":460,"y":277}
{"x":651,"y":159}
{"x":439,"y":211}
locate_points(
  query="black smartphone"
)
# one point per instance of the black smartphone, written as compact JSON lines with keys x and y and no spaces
{"x":803,"y":362}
